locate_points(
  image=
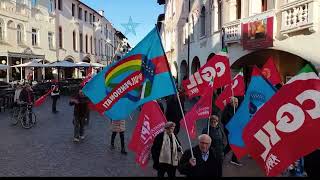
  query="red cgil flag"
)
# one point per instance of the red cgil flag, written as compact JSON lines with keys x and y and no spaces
{"x":151,"y":122}
{"x":42,"y":99}
{"x":87,"y":78}
{"x":201,"y":110}
{"x":238,"y":87}
{"x":217,"y":68}
{"x":270,"y":71}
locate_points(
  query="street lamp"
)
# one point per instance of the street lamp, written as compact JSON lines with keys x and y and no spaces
{"x":4,"y":62}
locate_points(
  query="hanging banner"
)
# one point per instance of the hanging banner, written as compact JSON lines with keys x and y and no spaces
{"x":257,"y":33}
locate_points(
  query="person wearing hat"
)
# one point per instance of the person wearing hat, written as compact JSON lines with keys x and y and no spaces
{"x":55,"y":95}
{"x":165,"y":151}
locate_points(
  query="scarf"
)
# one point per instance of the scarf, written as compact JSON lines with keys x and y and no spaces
{"x":165,"y":153}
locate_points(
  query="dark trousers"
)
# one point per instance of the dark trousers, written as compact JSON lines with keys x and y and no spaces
{"x":78,"y":127}
{"x":220,"y":163}
{"x":166,"y":168}
{"x":113,"y":136}
{"x":54,"y":103}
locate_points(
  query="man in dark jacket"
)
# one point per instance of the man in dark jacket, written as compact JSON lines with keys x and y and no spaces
{"x":173,"y":112}
{"x":26,"y":97}
{"x":219,"y":140}
{"x":204,"y":163}
{"x":164,"y":151}
{"x":55,"y":95}
{"x":81,"y":109}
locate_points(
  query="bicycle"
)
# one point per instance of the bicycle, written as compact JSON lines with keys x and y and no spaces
{"x":30,"y":117}
{"x":25,"y":115}
{"x":15,"y":114}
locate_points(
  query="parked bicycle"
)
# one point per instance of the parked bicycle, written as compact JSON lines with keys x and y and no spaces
{"x":23,"y":114}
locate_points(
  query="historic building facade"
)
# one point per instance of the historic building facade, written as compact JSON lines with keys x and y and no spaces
{"x":252,"y":30}
{"x":54,"y":30}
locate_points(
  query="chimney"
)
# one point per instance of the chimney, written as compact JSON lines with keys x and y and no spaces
{"x":101,"y":12}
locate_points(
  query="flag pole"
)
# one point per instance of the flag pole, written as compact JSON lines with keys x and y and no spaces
{"x":177,"y":94}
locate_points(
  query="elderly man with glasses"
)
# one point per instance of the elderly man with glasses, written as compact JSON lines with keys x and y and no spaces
{"x":203,"y":164}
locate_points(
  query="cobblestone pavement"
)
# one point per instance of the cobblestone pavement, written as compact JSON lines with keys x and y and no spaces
{"x":48,"y":150}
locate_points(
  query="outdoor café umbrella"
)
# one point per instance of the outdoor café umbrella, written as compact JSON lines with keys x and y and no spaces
{"x":65,"y":64}
{"x":33,"y":63}
{"x":83,"y":64}
{"x":97,"y":65}
{"x":3,"y":66}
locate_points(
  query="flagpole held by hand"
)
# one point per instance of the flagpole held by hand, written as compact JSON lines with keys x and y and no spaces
{"x":177,"y":94}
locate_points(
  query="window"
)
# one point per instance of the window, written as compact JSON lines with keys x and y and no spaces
{"x":203,"y":22}
{"x":91,"y":45}
{"x":107,"y":32}
{"x":238,"y":9}
{"x":34,"y":3}
{"x":86,"y":43}
{"x":219,"y":14}
{"x":81,"y":42}
{"x":74,"y":40}
{"x":73,"y":9}
{"x":60,"y":5}
{"x":264,"y":4}
{"x":60,"y":38}
{"x":1,"y":30}
{"x":95,"y":46}
{"x":80,"y":13}
{"x":90,"y":18}
{"x":50,"y":40}
{"x":94,"y":18}
{"x":191,"y":29}
{"x":19,"y":34}
{"x":51,"y":6}
{"x":34,"y":37}
{"x":85,"y":16}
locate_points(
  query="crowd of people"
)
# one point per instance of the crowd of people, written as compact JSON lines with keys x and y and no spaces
{"x":204,"y":159}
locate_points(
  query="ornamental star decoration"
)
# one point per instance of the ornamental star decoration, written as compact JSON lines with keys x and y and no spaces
{"x":130,"y":27}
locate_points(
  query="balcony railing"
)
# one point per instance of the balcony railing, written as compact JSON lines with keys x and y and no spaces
{"x":299,"y":15}
{"x":232,"y":32}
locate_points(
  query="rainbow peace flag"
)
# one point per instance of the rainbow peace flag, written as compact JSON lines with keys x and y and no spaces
{"x":142,"y":75}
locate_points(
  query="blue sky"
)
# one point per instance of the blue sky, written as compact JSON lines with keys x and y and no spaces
{"x":118,"y":12}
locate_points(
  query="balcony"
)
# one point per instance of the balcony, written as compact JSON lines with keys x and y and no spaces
{"x":299,"y":15}
{"x":232,"y":32}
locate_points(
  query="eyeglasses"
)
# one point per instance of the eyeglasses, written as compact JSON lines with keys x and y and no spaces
{"x":201,"y":142}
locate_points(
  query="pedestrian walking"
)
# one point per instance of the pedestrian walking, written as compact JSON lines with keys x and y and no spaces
{"x":219,"y":140}
{"x":173,"y":112}
{"x":55,"y":95}
{"x":118,"y":127}
{"x":204,"y":163}
{"x":226,"y":116}
{"x":165,"y":151}
{"x":80,"y":103}
{"x":26,"y":98}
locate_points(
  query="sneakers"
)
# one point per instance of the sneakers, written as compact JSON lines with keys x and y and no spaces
{"x":76,"y":140}
{"x":82,"y":137}
{"x":237,"y":163}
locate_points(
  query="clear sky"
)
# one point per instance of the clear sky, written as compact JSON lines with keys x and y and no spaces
{"x":144,"y":12}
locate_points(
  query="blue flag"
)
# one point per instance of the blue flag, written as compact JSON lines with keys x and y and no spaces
{"x":141,"y":76}
{"x":258,"y":93}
